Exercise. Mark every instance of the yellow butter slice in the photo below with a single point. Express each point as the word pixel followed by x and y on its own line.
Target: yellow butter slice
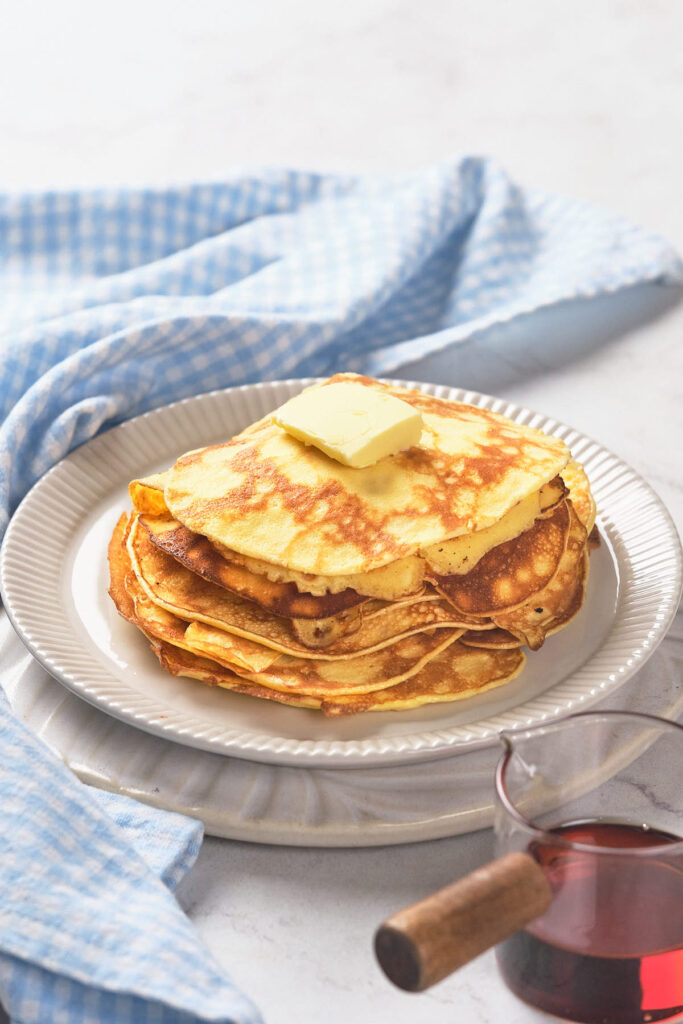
pixel 351 423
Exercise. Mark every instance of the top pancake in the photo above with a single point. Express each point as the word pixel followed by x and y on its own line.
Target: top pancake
pixel 268 496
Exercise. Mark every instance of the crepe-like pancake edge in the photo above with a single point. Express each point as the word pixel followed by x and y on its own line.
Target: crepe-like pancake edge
pixel 580 494
pixel 472 466
pixel 180 662
pixel 354 676
pixel 496 639
pixel 525 565
pixel 207 595
pixel 119 565
pixel 436 684
pixel 198 555
pixel 173 656
pixel 573 566
pixel 208 643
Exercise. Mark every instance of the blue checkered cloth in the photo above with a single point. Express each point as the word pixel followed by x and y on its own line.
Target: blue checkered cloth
pixel 89 928
pixel 114 302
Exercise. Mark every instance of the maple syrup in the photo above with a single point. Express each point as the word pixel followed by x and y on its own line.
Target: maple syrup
pixel 610 949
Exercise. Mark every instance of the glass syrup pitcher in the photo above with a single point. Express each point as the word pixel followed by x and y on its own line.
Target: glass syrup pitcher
pixel 596 800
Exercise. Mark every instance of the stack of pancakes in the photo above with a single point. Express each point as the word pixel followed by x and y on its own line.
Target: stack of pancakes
pixel 263 566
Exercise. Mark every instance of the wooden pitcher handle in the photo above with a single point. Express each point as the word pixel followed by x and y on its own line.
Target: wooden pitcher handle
pixel 424 943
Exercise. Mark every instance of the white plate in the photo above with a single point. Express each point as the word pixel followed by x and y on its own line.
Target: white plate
pixel 264 803
pixel 53 576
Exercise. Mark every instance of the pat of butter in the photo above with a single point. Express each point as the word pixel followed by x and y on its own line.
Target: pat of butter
pixel 354 424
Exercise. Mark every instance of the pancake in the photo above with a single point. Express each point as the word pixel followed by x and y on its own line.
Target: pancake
pixel 454 676
pixel 175 589
pixel 119 567
pixel 197 554
pixel 362 674
pixel 158 623
pixel 147 494
pixel 180 649
pixel 559 601
pixel 317 634
pixel 456 673
pixel 267 496
pixel 401 578
pixel 509 574
pixel 180 663
pixel 494 640
pixel 460 555
pixel 574 476
pixel 264 567
pixel 264 667
pixel 155 622
pixel 384 622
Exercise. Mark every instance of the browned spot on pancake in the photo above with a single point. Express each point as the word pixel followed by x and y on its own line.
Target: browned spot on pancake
pixel 453 674
pixel 351 521
pixel 324 633
pixel 555 492
pixel 492 639
pixel 198 554
pixel 559 601
pixel 465 474
pixel 510 573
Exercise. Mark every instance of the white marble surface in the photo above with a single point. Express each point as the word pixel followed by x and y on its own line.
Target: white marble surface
pixel 583 98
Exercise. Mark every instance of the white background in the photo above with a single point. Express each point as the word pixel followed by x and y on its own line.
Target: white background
pixel 584 98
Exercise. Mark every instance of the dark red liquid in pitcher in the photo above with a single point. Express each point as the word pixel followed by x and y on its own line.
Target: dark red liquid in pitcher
pixel 610 949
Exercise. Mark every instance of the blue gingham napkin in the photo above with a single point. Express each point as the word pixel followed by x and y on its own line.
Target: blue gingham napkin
pixel 114 302
pixel 89 928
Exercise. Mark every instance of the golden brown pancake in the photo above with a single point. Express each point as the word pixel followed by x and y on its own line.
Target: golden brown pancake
pixel 197 554
pixel 317 634
pixel 177 590
pixel 559 601
pixel 119 566
pixel 361 674
pixel 511 572
pixel 266 495
pixel 301 683
pixel 327 633
pixel 147 494
pixel 459 555
pixel 456 673
pixel 162 625
pixel 264 567
pixel 181 663
pixel 167 633
pixel 452 677
pixel 471 676
pixel 574 476
pixel 493 640
pixel 401 578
